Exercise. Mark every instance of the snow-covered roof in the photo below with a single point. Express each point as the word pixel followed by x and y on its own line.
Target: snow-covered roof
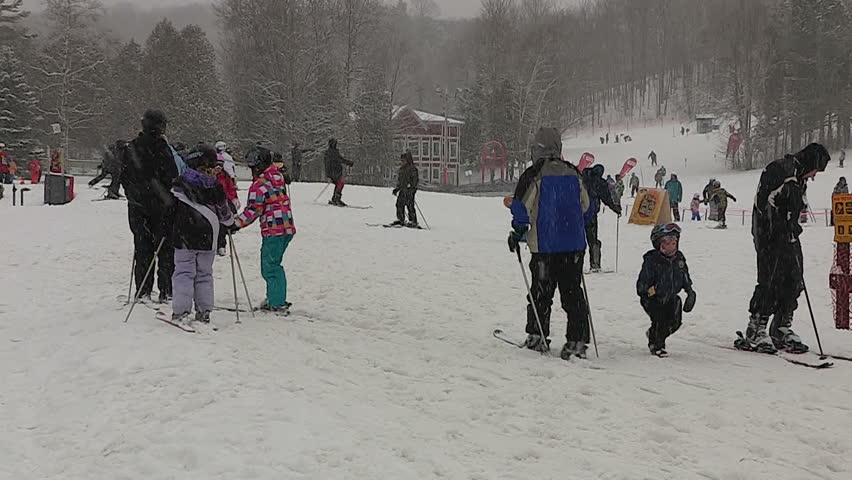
pixel 705 116
pixel 426 116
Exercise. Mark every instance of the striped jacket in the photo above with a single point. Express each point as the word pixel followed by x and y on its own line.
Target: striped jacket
pixel 268 200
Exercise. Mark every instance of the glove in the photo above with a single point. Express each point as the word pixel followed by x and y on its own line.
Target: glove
pixel 651 292
pixel 395 191
pixel 618 211
pixel 689 303
pixel 232 228
pixel 516 236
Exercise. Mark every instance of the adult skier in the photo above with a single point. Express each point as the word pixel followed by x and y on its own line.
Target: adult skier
pixel 659 176
pixel 406 188
pixel 111 165
pixel 598 191
pixel 775 229
pixel 548 209
pixel 334 162
pixel 675 189
pixel 149 170
pixel 653 157
pixel 634 184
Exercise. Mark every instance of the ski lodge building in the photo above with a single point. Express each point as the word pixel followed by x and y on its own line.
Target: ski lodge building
pixel 433 141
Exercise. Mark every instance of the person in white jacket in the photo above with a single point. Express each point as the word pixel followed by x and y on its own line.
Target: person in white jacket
pixel 230 166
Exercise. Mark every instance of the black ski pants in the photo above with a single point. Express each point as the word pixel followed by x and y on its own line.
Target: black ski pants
pixel 148 229
pixel 405 201
pixel 666 318
pixel 594 243
pixel 549 272
pixel 779 279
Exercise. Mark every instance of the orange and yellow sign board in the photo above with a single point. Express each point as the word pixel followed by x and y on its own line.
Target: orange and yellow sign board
pixel 841 205
pixel 652 207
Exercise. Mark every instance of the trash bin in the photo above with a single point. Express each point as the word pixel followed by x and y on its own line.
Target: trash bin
pixel 58 189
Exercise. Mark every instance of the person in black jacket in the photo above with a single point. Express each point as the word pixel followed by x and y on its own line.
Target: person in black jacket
pixel 296 160
pixel 111 165
pixel 775 229
pixel 664 274
pixel 334 162
pixel 598 192
pixel 406 188
pixel 148 171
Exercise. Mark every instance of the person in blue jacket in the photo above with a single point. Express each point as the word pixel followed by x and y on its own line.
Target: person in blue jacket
pixel 675 190
pixel 549 211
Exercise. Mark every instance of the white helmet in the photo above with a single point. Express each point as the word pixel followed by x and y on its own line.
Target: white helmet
pixel 221 146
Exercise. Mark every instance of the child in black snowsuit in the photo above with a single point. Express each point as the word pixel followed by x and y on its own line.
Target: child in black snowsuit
pixel 664 274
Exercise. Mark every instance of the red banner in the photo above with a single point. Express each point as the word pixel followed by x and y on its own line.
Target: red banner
pixel 628 165
pixel 734 142
pixel 585 161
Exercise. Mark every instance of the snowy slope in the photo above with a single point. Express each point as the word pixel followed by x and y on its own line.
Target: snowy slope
pixel 387 368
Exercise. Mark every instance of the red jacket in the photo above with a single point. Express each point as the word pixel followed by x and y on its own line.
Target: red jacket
pixel 228 185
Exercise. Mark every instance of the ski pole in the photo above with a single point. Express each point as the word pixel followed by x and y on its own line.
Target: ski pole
pixel 589 310
pixel 234 280
pixel 422 216
pixel 144 280
pixel 130 286
pixel 532 301
pixel 242 277
pixel 616 242
pixel 323 191
pixel 810 309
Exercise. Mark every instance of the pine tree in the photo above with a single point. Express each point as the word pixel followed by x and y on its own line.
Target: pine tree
pixel 18 103
pixel 160 72
pixel 200 89
pixel 126 98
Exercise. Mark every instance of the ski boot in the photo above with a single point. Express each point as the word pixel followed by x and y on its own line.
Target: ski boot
pixel 573 349
pixel 412 225
pixel 203 317
pixel 783 337
pixel 397 223
pixel 110 195
pixel 165 298
pixel 221 252
pixel 756 339
pixel 535 342
pixel 184 319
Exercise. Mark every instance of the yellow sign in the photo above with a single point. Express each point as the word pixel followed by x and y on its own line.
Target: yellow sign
pixel 841 207
pixel 652 207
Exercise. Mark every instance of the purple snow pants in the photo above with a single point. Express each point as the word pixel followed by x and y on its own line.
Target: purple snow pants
pixel 193 279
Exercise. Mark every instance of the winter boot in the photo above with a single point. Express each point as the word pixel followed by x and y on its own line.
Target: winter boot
pixel 783 336
pixel 221 252
pixel 658 350
pixel 573 349
pixel 756 338
pixel 535 342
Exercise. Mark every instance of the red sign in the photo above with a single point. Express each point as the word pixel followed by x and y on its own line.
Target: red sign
pixel 628 165
pixel 585 161
pixel 734 142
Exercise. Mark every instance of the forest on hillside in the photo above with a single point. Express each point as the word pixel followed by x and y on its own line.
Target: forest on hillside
pixel 278 71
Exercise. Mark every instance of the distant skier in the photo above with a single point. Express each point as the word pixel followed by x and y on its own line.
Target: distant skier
pixel 664 274
pixel 268 201
pixel 296 160
pixel 653 157
pixel 201 211
pixel 840 188
pixel 598 191
pixel 406 189
pixel 720 197
pixel 695 207
pixel 5 159
pixel 147 176
pixel 659 177
pixel 228 163
pixel 707 190
pixel 35 167
pixel 619 188
pixel 607 137
pixel 334 162
pixel 675 189
pixel 547 211
pixel 779 252
pixel 111 165
pixel 842 158
pixel 634 184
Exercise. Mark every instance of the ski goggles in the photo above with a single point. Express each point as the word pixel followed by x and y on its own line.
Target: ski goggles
pixel 668 229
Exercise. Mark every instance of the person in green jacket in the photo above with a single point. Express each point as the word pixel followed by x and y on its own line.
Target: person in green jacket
pixel 675 190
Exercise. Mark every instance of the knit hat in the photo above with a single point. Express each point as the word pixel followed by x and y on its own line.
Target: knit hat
pixel 202 155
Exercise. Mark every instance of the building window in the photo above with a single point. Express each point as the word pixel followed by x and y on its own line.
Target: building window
pixel 414 146
pixel 436 148
pixel 436 174
pixel 454 150
pixel 424 174
pixel 424 145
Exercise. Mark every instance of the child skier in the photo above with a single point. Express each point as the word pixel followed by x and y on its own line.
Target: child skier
pixel 229 186
pixel 720 196
pixel 268 200
pixel 664 274
pixel 695 206
pixel 200 209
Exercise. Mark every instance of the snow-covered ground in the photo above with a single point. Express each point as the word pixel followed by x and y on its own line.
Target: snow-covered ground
pixel 387 368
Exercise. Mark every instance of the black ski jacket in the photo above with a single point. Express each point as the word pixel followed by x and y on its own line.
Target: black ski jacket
pixel 199 210
pixel 334 163
pixel 149 170
pixel 668 276
pixel 408 179
pixel 598 190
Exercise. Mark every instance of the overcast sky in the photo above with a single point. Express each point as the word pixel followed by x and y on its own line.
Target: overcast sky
pixel 449 8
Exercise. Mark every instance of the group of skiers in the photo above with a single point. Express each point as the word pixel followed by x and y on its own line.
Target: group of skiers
pixel 9 168
pixel 554 211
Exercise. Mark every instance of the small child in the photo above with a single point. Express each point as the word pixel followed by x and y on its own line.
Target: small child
pixel 200 209
pixel 664 274
pixel 229 185
pixel 695 206
pixel 720 196
pixel 268 200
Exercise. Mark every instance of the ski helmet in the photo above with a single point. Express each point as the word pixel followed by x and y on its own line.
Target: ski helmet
pixel 259 159
pixel 154 122
pixel 202 155
pixel 717 184
pixel 221 146
pixel 660 231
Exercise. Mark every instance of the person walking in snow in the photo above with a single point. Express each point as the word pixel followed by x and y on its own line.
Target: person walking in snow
pixel 839 188
pixel 675 189
pixel 659 176
pixel 776 232
pixel 35 166
pixel 619 188
pixel 334 162
pixel 148 172
pixel 695 207
pixel 406 189
pixel 663 276
pixel 842 158
pixel 268 201
pixel 201 211
pixel 719 196
pixel 296 160
pixel 111 165
pixel 653 157
pixel 634 184
pixel 548 209
pixel 598 192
